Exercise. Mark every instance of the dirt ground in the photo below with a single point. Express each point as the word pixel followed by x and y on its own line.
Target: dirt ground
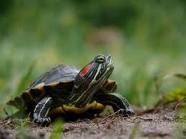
pixel 156 124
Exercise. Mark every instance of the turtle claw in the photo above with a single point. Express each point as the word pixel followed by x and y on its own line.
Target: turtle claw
pixel 130 111
pixel 126 112
pixel 43 121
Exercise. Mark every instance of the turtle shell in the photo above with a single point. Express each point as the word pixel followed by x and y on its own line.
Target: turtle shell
pixel 59 74
pixel 57 82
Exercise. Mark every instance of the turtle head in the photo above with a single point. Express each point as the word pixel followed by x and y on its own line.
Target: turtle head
pixel 90 79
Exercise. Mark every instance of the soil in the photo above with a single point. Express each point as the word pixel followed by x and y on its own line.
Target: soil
pixel 159 123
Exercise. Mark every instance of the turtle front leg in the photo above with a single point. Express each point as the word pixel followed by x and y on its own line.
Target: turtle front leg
pixel 117 102
pixel 41 111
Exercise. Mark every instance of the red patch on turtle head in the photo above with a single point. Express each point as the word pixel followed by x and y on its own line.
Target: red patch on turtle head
pixel 85 70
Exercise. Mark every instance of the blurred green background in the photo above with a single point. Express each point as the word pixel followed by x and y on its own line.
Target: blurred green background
pixel 145 38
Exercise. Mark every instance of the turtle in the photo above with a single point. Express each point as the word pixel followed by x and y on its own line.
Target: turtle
pixel 65 90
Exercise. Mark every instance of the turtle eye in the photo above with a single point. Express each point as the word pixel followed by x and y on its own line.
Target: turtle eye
pixel 100 59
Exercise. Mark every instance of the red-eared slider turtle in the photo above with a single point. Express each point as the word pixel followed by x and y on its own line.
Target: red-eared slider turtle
pixel 68 91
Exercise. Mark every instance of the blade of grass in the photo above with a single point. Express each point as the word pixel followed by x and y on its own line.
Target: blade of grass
pixel 180 76
pixel 25 79
pixel 57 129
pixel 177 94
pixel 135 131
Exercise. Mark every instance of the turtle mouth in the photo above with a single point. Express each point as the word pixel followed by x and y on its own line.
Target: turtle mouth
pixel 94 80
